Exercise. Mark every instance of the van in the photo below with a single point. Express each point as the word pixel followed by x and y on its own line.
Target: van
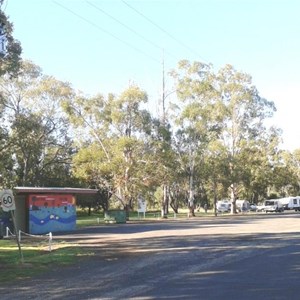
pixel 273 205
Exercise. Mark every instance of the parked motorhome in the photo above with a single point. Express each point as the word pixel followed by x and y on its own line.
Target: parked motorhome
pixel 273 205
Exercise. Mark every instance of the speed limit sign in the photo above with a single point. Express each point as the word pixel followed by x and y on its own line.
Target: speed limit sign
pixel 7 200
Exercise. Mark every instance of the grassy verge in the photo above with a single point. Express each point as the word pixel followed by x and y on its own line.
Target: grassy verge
pixel 36 258
pixel 83 219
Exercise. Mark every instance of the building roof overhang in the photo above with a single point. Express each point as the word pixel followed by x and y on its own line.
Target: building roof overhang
pixel 54 190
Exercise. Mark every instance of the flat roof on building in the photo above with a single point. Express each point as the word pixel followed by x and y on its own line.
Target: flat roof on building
pixel 55 190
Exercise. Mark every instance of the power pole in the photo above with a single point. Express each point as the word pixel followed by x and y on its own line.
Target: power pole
pixel 163 93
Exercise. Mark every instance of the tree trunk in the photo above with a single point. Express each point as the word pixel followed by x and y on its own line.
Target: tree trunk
pixel 191 204
pixel 174 201
pixel 127 210
pixel 233 198
pixel 215 198
pixel 165 204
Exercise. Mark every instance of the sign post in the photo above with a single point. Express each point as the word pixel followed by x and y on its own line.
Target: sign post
pixel 142 205
pixel 7 201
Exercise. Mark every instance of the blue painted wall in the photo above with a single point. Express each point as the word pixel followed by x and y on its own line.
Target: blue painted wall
pixel 51 213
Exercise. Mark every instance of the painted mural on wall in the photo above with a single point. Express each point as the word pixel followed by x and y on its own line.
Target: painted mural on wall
pixel 51 213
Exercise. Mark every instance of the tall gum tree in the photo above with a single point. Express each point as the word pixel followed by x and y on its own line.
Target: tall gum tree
pixel 10 59
pixel 112 146
pixel 198 120
pixel 131 123
pixel 260 160
pixel 9 65
pixel 37 126
pixel 243 123
pixel 162 164
pixel 215 172
pixel 292 163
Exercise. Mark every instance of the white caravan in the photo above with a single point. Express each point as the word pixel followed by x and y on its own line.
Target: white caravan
pixel 293 203
pixel 285 202
pixel 242 205
pixel 223 206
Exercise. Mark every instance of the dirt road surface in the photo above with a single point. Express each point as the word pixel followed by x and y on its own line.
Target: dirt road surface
pixel 176 259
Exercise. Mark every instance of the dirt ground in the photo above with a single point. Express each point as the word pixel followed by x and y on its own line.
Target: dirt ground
pixel 123 254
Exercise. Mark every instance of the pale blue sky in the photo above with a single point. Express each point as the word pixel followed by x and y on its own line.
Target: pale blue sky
pixel 102 46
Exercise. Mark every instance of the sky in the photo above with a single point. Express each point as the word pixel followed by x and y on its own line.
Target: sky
pixel 104 46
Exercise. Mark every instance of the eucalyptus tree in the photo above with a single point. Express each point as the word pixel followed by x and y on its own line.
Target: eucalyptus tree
pixel 243 122
pixel 198 120
pixel 286 174
pixel 130 126
pixel 38 130
pixel 161 158
pixel 10 51
pixel 10 48
pixel 293 161
pixel 215 171
pixel 112 144
pixel 260 159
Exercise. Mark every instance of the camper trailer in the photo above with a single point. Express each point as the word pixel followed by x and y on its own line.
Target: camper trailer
pixel 242 205
pixel 293 203
pixel 223 206
pixel 285 202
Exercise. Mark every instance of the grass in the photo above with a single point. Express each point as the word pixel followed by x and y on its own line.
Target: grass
pixel 37 258
pixel 83 219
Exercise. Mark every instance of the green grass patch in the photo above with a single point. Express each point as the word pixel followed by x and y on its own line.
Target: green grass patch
pixel 37 258
pixel 84 220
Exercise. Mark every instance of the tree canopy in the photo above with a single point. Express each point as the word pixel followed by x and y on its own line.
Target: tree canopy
pixel 214 145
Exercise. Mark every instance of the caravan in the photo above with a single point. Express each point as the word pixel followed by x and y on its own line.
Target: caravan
pixel 290 203
pixel 223 206
pixel 242 205
pixel 294 203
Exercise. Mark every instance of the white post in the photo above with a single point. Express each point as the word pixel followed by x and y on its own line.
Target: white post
pixel 7 231
pixel 50 241
pixel 19 236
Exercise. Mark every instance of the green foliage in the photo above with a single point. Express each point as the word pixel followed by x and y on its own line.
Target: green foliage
pixel 38 141
pixel 10 62
pixel 215 143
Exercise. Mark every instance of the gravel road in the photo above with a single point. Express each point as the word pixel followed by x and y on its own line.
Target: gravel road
pixel 168 259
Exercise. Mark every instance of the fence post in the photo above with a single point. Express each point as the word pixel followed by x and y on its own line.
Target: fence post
pixel 50 241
